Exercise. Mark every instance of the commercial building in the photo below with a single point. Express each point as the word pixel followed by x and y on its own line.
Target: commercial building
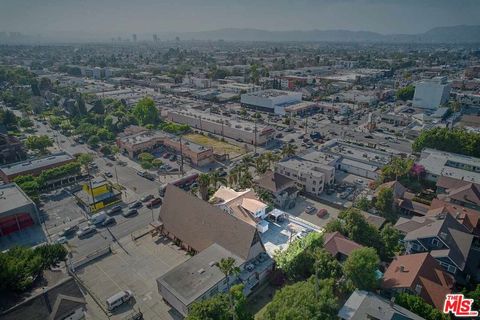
pixel 312 171
pixel 210 233
pixel 273 101
pixel 17 210
pixel 440 163
pixel 239 88
pixel 98 194
pixel 302 108
pixel 11 149
pixel 239 130
pixel 361 161
pixel 34 167
pixel 431 93
pixel 147 141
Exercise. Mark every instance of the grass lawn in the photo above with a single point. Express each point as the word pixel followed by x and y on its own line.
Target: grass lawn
pixel 218 146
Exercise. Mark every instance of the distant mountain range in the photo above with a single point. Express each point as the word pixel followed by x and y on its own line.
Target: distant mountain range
pixel 454 34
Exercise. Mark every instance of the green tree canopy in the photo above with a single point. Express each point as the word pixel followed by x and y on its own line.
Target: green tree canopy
pixel 360 268
pixel 405 93
pixel 384 204
pixel 39 143
pixel 145 112
pixel 451 140
pixel 418 306
pixel 302 300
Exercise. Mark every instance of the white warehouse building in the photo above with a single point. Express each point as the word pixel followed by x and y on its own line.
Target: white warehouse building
pixel 431 93
pixel 272 100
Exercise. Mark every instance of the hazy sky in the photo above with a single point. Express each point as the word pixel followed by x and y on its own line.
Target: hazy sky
pixel 149 16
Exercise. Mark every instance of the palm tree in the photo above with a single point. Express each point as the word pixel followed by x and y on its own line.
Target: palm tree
pixel 288 150
pixel 216 178
pixel 228 268
pixel 234 176
pixel 203 184
pixel 261 165
pixel 247 161
pixel 246 180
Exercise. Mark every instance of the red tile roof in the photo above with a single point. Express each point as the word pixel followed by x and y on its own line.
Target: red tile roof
pixel 336 243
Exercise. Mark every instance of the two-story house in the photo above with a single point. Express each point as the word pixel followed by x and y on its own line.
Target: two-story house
pixel 282 189
pixel 446 239
pixel 418 274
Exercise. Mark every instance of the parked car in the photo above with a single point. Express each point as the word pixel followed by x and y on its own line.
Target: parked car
pixel 130 213
pixel 68 231
pixel 173 157
pixel 61 240
pixel 114 209
pixel 135 205
pixel 118 299
pixel 109 221
pixel 154 203
pixel 166 155
pixel 108 174
pixel 110 157
pixel 310 210
pixel 146 198
pixel 322 213
pixel 85 231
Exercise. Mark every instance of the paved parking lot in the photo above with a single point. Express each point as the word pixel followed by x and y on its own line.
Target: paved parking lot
pixel 302 203
pixel 134 266
pixel 59 208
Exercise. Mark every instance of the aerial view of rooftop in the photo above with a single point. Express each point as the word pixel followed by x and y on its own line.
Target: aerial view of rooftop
pixel 239 160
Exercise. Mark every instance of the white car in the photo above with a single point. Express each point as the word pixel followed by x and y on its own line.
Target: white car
pixel 61 240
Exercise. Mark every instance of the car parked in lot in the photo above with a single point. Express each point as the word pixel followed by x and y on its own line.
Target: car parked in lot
pixel 154 202
pixel 310 210
pixel 85 231
pixel 129 213
pixel 146 198
pixel 166 155
pixel 322 213
pixel 108 174
pixel 109 221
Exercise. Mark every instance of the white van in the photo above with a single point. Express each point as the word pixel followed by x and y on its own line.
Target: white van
pixel 118 299
pixel 98 218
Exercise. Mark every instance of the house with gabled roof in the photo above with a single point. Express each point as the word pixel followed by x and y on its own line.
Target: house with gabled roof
pixel 338 245
pixel 419 274
pixel 446 239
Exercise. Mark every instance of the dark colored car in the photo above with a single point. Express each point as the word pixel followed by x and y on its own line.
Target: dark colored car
pixel 154 203
pixel 136 204
pixel 114 209
pixel 109 221
pixel 68 231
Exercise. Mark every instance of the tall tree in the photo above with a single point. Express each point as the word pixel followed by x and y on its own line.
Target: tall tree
pixel 145 112
pixel 229 269
pixel 203 185
pixel 360 268
pixel 384 204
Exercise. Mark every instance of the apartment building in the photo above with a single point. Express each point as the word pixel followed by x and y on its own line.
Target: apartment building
pixel 431 93
pixel 312 172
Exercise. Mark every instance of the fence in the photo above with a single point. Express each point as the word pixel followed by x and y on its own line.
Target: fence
pixel 74 265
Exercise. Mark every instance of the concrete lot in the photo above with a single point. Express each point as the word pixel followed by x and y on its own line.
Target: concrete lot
pixel 302 203
pixel 59 208
pixel 135 267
